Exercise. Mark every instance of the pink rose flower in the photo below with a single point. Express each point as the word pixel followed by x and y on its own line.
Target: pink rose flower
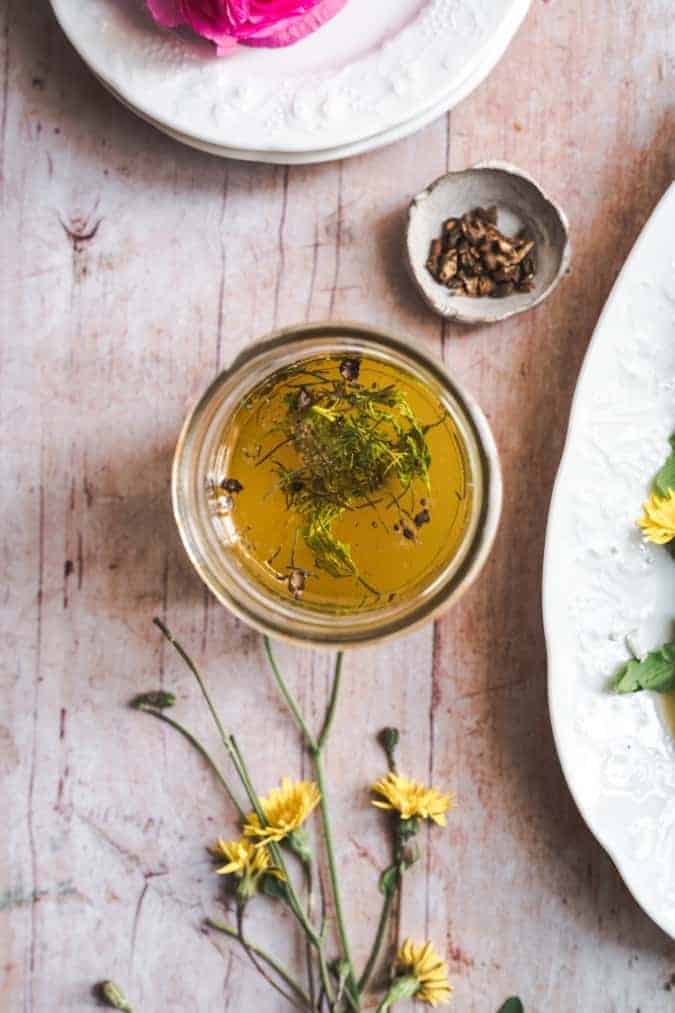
pixel 246 22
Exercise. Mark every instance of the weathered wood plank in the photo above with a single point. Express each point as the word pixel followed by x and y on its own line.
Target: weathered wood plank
pixel 107 341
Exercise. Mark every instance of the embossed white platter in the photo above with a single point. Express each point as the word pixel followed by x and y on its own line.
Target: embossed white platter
pixel 602 582
pixel 377 65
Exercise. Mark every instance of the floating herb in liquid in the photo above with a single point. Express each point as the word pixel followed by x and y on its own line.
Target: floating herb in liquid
pixel 342 484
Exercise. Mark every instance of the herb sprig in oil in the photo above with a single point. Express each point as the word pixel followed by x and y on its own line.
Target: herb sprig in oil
pixel 356 447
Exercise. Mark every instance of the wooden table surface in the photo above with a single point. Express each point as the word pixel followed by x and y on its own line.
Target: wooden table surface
pixel 131 270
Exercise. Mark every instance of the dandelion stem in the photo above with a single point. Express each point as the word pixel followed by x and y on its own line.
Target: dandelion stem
pixel 195 671
pixel 285 976
pixel 316 749
pixel 200 749
pixel 332 703
pixel 253 958
pixel 309 883
pixel 289 699
pixel 389 898
pixel 227 740
pixel 332 871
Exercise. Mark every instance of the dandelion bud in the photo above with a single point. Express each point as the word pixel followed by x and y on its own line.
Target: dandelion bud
pixel 111 995
pixel 159 699
pixel 404 987
pixel 408 828
pixel 389 739
pixel 298 842
pixel 247 888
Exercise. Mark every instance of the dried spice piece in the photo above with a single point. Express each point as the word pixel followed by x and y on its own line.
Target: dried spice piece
pixel 472 257
pixel 232 485
pixel 423 517
pixel 296 583
pixel 350 369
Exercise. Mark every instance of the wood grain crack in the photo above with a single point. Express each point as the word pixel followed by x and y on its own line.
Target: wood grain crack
pixel 223 269
pixel 312 276
pixel 338 241
pixel 5 95
pixel 280 245
pixel 32 847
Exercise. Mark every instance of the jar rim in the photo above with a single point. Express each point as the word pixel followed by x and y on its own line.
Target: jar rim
pixel 288 621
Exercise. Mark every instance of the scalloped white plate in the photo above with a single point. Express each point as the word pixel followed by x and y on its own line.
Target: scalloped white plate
pixel 385 137
pixel 375 66
pixel 602 582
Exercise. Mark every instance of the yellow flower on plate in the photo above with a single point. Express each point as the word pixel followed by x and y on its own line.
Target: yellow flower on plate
pixel 423 963
pixel 285 810
pixel 242 858
pixel 412 799
pixel 658 518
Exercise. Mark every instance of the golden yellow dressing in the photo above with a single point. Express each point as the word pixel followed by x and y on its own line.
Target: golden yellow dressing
pixel 398 538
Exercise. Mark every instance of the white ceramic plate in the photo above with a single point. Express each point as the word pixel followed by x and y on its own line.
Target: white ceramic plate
pixel 375 66
pixel 602 582
pixel 463 89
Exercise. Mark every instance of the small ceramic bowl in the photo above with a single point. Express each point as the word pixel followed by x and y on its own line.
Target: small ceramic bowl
pixel 520 204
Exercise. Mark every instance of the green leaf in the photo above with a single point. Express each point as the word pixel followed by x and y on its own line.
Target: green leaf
pixel 274 887
pixel 389 880
pixel 512 1005
pixel 665 478
pixel 656 672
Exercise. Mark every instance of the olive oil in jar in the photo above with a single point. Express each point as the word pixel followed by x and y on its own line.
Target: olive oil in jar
pixel 342 485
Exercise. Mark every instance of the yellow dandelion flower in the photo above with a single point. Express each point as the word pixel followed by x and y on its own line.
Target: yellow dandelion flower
pixel 412 799
pixel 285 809
pixel 425 965
pixel 658 518
pixel 243 858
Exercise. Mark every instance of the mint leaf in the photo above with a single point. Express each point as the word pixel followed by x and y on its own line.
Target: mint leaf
pixel 512 1005
pixel 656 672
pixel 665 478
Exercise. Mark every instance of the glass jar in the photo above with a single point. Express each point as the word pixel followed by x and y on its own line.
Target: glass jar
pixel 200 445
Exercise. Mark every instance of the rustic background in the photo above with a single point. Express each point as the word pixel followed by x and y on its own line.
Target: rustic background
pixel 132 269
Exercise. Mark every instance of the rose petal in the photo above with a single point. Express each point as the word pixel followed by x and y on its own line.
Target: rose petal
pixel 291 30
pixel 168 13
pixel 267 23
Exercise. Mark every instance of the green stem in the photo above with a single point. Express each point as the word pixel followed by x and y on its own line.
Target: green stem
pixel 237 758
pixel 285 976
pixel 195 671
pixel 277 855
pixel 379 939
pixel 227 740
pixel 242 770
pixel 290 700
pixel 200 749
pixel 307 866
pixel 332 872
pixel 254 960
pixel 332 703
pixel 316 748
